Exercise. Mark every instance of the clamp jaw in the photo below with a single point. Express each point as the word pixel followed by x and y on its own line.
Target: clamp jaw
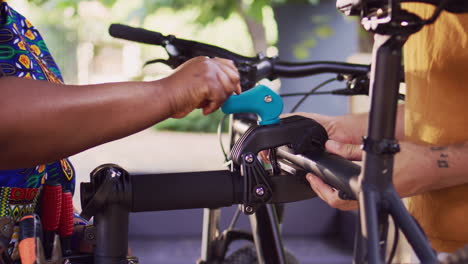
pixel 302 135
pixel 260 100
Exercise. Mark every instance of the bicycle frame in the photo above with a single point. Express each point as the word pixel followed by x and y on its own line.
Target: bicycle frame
pixel 378 198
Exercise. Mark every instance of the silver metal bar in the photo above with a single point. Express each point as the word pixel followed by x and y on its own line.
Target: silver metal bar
pixel 210 231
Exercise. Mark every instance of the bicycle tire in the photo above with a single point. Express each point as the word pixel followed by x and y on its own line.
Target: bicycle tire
pixel 248 255
pixel 458 257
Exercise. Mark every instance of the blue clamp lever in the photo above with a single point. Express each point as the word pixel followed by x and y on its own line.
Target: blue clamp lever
pixel 260 100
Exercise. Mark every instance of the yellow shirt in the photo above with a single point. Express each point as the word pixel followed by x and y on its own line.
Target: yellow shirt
pixel 436 65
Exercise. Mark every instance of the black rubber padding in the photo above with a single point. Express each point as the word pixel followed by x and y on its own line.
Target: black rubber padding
pixel 170 191
pixel 136 34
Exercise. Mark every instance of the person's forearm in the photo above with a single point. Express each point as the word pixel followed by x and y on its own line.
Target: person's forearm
pixel 357 124
pixel 424 168
pixel 400 122
pixel 42 122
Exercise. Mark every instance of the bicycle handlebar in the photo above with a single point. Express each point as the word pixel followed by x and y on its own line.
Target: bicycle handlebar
pixel 251 69
pixel 302 69
pixel 189 47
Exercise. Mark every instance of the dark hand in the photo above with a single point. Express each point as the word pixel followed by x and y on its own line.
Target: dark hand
pixel 202 83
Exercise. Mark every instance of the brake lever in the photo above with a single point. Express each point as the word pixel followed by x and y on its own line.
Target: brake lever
pixel 173 61
pixel 163 61
pixel 247 75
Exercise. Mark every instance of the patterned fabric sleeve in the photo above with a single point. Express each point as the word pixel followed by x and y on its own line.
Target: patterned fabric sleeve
pixel 24 54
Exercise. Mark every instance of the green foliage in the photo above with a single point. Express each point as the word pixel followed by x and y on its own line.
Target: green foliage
pixel 321 30
pixel 194 122
pixel 209 10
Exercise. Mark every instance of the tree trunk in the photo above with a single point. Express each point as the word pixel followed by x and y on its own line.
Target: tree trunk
pixel 256 30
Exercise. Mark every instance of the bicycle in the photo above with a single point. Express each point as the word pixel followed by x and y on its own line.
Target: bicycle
pixel 247 183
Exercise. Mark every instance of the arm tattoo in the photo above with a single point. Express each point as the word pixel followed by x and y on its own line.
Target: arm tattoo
pixel 438 148
pixel 442 161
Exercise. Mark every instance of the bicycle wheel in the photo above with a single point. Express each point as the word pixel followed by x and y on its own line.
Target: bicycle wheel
pixel 248 255
pixel 458 257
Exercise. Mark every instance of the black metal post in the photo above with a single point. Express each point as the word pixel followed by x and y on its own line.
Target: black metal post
pixel 267 237
pixel 108 198
pixel 359 250
pixel 380 144
pixel 412 231
pixel 111 225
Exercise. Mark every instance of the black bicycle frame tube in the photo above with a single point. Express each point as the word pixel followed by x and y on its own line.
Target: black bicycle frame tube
pixel 412 231
pixel 359 249
pixel 377 194
pixel 267 237
pixel 378 168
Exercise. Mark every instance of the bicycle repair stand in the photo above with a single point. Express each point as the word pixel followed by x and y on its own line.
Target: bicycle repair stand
pixel 112 193
pixel 378 199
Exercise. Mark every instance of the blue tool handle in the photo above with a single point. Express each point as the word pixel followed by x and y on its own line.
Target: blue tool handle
pixel 260 100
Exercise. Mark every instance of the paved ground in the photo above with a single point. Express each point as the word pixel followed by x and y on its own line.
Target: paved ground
pixel 187 250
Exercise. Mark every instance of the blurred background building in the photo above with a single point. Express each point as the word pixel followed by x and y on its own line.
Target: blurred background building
pixel 295 30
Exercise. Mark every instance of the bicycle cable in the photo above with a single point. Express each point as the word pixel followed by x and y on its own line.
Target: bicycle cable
pixel 396 237
pixel 301 94
pixel 312 91
pixel 234 219
pixel 436 13
pixel 220 138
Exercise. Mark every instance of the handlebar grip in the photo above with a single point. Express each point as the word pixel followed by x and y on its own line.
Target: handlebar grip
pixel 185 190
pixel 136 34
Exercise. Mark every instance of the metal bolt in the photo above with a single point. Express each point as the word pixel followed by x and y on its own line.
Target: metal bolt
pixel 249 209
pixel 115 173
pixel 268 99
pixel 260 191
pixel 249 158
pixel 90 236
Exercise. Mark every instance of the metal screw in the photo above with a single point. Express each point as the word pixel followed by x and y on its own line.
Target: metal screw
pixel 115 173
pixel 90 236
pixel 268 99
pixel 260 191
pixel 249 158
pixel 249 209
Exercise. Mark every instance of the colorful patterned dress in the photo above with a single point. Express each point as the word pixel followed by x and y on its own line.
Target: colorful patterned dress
pixel 24 54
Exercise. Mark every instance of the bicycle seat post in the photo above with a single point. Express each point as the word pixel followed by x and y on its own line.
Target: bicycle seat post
pixel 378 199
